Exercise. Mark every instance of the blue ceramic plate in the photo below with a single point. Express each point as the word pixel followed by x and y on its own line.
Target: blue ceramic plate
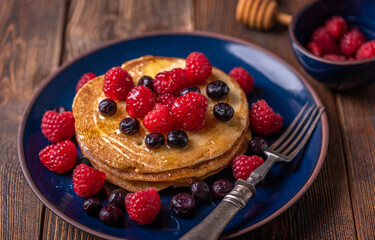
pixel 284 89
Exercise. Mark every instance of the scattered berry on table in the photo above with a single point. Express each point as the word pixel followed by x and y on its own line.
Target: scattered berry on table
pixel 59 157
pixel 167 99
pixel 243 78
pixel 263 120
pixel 325 41
pixel 336 26
pixel 154 140
pixel 217 90
pixel 117 197
pixel 171 81
pixel 315 49
pixel 183 204
pixel 189 89
pixel 257 145
pixel 111 215
pixel 177 139
pixel 200 190
pixel 189 111
pixel 117 83
pixel 146 81
pixel 367 50
pixel 57 127
pixel 143 206
pixel 159 120
pixel 87 181
pixel 107 107
pixel 92 206
pixel 221 187
pixel 243 165
pixel 223 112
pixel 198 68
pixel 140 101
pixel 60 109
pixel 129 126
pixel 351 41
pixel 335 57
pixel 84 79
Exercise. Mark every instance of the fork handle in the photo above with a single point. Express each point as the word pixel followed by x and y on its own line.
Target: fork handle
pixel 213 225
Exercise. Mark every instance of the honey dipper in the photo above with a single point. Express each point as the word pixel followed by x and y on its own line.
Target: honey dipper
pixel 260 14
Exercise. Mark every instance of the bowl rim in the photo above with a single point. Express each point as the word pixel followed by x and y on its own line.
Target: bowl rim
pixel 306 52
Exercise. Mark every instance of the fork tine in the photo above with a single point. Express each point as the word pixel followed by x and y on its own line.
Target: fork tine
pixel 300 134
pixel 295 130
pixel 307 135
pixel 289 129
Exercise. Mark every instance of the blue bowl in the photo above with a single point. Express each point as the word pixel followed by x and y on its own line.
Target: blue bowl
pixel 335 75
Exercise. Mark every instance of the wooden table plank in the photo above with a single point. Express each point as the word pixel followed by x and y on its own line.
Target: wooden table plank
pixel 93 22
pixel 30 44
pixel 357 118
pixel 314 216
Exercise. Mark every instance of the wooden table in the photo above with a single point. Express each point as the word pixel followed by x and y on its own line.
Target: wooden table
pixel 36 37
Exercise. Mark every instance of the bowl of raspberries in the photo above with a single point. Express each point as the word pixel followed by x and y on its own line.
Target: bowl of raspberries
pixel 334 41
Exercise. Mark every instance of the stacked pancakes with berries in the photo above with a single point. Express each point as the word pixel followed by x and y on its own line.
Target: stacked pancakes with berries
pixel 202 134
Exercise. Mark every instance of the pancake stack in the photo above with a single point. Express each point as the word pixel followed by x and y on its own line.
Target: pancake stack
pixel 126 160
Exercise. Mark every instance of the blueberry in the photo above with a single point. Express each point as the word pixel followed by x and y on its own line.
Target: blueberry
pixel 107 107
pixel 92 206
pixel 221 187
pixel 60 109
pixel 217 90
pixel 117 197
pixel 111 215
pixel 223 112
pixel 177 139
pixel 257 145
pixel 182 204
pixel 146 81
pixel 129 126
pixel 154 140
pixel 200 190
pixel 189 89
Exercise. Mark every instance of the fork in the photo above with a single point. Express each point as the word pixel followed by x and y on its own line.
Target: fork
pixel 284 149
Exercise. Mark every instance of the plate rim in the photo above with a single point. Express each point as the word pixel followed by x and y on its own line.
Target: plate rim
pixel 46 81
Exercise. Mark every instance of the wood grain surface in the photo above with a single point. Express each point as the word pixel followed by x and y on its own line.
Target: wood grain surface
pixel 37 36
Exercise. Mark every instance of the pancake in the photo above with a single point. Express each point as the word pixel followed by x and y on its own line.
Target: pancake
pixel 182 174
pixel 126 160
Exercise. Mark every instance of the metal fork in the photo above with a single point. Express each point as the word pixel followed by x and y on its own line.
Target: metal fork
pixel 284 149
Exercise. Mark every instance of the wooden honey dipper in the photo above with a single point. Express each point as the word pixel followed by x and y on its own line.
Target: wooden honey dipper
pixel 260 14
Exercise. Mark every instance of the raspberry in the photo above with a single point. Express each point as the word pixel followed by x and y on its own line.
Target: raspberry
pixel 117 83
pixel 171 81
pixel 325 41
pixel 58 126
pixel 198 68
pixel 140 101
pixel 243 165
pixel 315 49
pixel 159 120
pixel 263 120
pixel 243 78
pixel 59 157
pixel 367 50
pixel 167 99
pixel 143 206
pixel 189 111
pixel 334 57
pixel 351 41
pixel 84 79
pixel 336 26
pixel 87 181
